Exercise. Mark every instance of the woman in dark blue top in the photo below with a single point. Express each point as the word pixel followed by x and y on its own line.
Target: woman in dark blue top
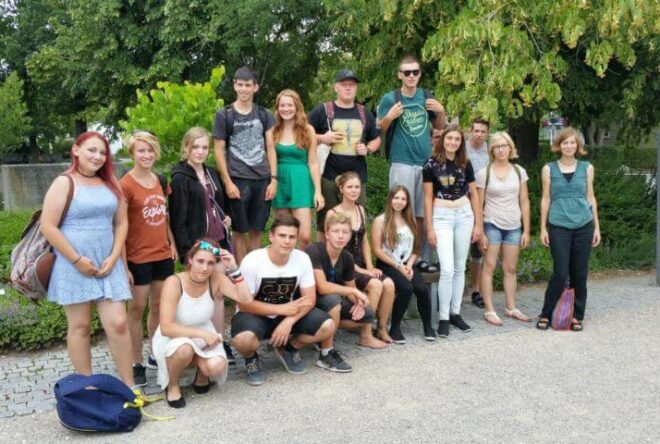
pixel 569 224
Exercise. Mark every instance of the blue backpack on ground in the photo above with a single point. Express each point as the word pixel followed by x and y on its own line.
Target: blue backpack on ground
pixel 111 407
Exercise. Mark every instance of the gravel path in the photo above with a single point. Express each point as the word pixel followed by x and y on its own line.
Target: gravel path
pixel 494 384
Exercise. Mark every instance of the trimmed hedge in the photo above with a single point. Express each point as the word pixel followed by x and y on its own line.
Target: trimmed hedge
pixel 627 208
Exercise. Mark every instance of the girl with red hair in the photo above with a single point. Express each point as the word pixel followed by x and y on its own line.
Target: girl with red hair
pixel 88 247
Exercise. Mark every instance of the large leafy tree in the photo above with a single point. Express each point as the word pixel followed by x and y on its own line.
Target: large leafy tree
pixel 14 122
pixel 103 50
pixel 510 62
pixel 26 25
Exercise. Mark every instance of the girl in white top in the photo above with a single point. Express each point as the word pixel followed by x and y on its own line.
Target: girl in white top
pixel 186 336
pixel 395 240
pixel 503 195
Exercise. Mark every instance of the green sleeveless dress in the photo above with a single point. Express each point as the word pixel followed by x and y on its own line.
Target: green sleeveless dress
pixel 295 188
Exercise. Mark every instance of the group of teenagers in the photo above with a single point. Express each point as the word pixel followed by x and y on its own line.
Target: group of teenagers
pixel 120 239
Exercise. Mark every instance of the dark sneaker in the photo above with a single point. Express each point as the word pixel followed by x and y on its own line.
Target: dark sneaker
pixel 231 359
pixel 478 300
pixel 152 363
pixel 397 336
pixel 443 329
pixel 255 374
pixel 140 375
pixel 458 322
pixel 292 361
pixel 429 334
pixel 333 362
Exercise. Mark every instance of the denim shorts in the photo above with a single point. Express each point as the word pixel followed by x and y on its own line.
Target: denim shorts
pixel 497 235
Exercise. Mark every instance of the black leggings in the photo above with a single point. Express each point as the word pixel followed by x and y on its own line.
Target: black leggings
pixel 404 292
pixel 570 260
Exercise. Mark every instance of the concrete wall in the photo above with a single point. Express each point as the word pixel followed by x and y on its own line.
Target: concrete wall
pixel 24 186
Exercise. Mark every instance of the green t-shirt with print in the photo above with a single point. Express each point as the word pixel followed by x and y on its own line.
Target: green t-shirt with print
pixel 411 141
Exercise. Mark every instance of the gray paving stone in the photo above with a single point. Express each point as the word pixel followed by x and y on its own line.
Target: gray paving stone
pixel 6 413
pixel 26 382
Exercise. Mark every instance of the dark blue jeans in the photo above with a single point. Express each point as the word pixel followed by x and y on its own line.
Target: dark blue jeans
pixel 570 251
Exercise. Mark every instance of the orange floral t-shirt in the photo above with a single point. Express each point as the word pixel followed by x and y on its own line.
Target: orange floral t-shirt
pixel 147 221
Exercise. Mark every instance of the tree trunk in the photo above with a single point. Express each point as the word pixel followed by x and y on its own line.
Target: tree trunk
pixel 525 135
pixel 81 126
pixel 33 148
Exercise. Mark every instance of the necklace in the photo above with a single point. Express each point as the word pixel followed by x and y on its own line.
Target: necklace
pixel 85 175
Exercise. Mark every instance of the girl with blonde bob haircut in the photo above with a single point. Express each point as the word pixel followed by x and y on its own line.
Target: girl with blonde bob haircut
pixel 504 197
pixel 145 137
pixel 299 183
pixel 513 152
pixel 149 251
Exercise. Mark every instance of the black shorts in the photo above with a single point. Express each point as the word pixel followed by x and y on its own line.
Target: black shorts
pixel 263 326
pixel 144 274
pixel 329 301
pixel 250 212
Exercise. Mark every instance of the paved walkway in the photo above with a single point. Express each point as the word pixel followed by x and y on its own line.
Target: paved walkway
pixel 26 380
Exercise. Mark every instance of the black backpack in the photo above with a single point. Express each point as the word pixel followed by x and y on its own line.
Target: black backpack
pixel 229 120
pixel 390 130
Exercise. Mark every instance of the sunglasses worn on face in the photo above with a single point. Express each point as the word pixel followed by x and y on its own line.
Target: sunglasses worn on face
pixel 206 246
pixel 410 72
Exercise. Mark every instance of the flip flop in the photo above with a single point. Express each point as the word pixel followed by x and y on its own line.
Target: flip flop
pixel 516 314
pixel 492 318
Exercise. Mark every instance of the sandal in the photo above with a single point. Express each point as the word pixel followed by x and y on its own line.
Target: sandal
pixel 576 325
pixel 492 318
pixel 543 323
pixel 516 314
pixel 425 267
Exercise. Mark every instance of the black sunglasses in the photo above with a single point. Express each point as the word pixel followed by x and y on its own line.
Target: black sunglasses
pixel 410 72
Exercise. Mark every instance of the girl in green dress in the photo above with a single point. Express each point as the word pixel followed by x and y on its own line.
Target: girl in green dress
pixel 299 184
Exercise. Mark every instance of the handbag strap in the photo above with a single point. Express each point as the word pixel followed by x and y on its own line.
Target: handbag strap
pixel 69 198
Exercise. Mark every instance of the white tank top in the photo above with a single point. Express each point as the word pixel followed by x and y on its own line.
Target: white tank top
pixel 404 246
pixel 192 311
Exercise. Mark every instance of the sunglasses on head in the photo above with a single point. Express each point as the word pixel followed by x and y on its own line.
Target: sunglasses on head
pixel 206 246
pixel 410 72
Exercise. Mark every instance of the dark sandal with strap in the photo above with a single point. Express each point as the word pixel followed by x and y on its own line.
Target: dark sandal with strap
pixel 543 323
pixel 576 325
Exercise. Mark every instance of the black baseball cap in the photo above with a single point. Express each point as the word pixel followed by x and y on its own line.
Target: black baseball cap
pixel 346 74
